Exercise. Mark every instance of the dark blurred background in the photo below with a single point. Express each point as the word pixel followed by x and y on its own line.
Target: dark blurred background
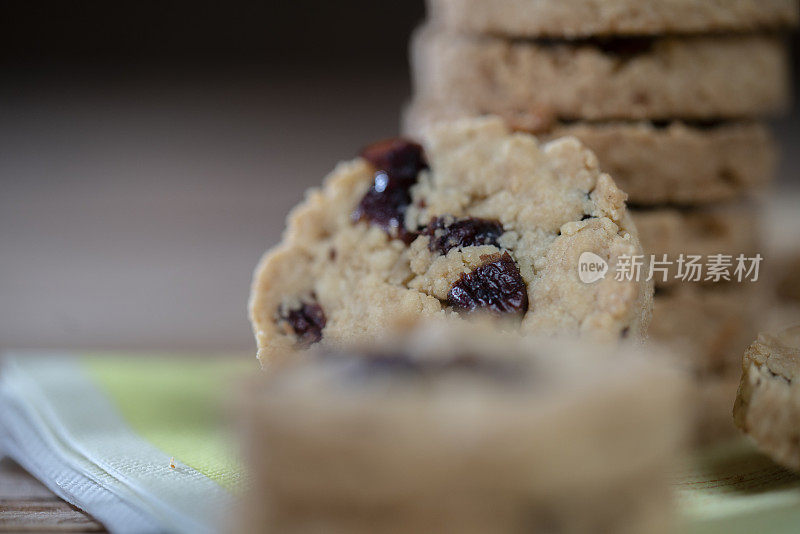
pixel 149 152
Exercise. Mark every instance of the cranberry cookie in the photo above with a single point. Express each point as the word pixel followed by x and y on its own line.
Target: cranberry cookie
pixel 582 18
pixel 476 219
pixel 768 404
pixel 698 77
pixel 669 162
pixel 468 430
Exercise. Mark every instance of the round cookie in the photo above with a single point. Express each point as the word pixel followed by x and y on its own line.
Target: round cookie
pixel 581 18
pixel 479 220
pixel 698 77
pixel 655 163
pixel 460 413
pixel 768 403
pixel 681 163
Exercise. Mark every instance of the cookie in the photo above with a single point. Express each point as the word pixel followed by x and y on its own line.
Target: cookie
pixel 468 430
pixel 682 163
pixel 768 402
pixel 730 230
pixel 583 18
pixel 701 77
pixel 710 327
pixel 477 220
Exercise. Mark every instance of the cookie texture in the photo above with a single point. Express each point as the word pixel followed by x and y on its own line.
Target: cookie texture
pixel 655 163
pixel 727 229
pixel 768 403
pixel 581 18
pixel 699 77
pixel 503 434
pixel 492 222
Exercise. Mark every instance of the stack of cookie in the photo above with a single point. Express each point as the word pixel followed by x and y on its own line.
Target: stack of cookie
pixel 671 96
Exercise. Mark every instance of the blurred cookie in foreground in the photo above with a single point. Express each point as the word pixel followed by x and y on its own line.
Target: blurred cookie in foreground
pixel 465 430
pixel 768 403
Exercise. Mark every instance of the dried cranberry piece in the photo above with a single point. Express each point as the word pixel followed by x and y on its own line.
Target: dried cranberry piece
pixel 462 233
pixel 399 158
pixel 496 286
pixel 398 162
pixel 307 321
pixel 385 205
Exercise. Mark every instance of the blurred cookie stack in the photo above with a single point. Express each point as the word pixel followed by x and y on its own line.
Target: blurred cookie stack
pixel 671 96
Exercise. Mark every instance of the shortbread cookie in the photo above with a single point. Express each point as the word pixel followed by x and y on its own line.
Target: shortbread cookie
pixel 655 163
pixel 704 77
pixel 727 230
pixel 466 431
pixel 709 326
pixel 768 404
pixel 681 163
pixel 581 18
pixel 480 220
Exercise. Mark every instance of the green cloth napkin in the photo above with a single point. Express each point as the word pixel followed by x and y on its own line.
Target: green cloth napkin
pixel 101 431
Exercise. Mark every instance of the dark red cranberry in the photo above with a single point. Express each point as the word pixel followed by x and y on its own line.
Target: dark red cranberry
pixel 307 322
pixel 462 233
pixel 398 162
pixel 399 158
pixel 385 205
pixel 496 286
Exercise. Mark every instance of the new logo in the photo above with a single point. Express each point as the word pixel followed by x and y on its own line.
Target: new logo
pixel 591 268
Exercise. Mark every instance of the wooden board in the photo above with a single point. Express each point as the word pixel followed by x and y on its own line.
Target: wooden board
pixel 27 506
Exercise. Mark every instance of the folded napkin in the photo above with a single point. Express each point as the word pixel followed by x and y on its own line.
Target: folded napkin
pixel 144 444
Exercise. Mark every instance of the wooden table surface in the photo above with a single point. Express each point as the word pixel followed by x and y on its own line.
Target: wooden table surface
pixel 27 506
